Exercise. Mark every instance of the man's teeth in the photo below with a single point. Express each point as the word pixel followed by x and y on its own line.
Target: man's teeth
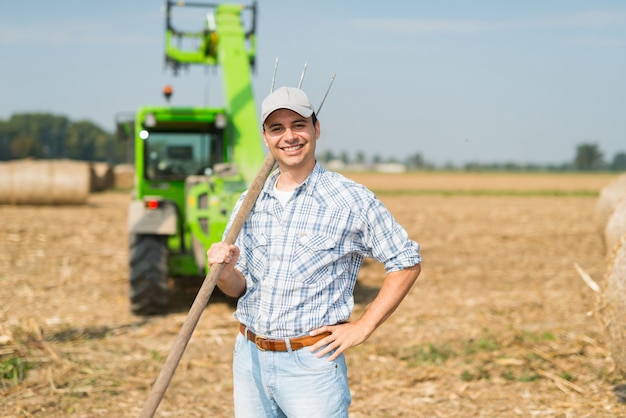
pixel 295 147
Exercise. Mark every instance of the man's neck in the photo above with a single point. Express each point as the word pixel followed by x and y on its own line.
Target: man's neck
pixel 290 178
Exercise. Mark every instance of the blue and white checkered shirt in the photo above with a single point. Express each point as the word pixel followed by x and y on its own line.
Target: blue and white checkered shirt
pixel 301 261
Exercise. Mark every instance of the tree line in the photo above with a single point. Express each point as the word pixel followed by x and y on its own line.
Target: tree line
pixel 589 157
pixel 49 136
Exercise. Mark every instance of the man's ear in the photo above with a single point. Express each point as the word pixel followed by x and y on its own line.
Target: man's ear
pixel 264 140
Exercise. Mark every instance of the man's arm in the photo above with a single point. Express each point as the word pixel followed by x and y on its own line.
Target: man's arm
pixel 395 287
pixel 231 281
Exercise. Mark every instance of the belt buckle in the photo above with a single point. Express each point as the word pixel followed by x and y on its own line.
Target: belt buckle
pixel 257 342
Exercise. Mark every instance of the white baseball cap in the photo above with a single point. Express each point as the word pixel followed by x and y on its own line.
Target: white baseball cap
pixel 286 98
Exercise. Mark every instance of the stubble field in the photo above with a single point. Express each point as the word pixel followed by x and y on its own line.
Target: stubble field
pixel 499 324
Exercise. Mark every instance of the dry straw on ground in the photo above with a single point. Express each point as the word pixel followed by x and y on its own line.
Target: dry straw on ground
pixel 498 325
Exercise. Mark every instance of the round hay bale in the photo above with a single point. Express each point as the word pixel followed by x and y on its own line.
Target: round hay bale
pixel 124 175
pixel 44 182
pixel 6 183
pixel 616 226
pixel 609 196
pixel 614 308
pixel 70 182
pixel 103 178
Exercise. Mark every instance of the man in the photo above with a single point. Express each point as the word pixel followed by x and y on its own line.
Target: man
pixel 294 267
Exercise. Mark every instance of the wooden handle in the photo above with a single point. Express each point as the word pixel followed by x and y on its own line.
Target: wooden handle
pixel 202 298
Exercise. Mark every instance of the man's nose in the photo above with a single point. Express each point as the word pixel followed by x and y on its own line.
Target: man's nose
pixel 289 134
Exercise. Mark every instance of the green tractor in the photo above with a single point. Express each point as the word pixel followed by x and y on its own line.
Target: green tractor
pixel 191 163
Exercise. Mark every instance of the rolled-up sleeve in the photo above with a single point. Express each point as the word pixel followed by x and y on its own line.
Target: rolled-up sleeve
pixel 388 240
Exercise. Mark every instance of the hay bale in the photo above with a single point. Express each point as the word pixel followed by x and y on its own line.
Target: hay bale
pixel 44 182
pixel 124 175
pixel 616 226
pixel 614 308
pixel 102 177
pixel 609 196
pixel 6 183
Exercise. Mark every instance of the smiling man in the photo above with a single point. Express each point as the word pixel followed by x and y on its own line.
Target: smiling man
pixel 293 269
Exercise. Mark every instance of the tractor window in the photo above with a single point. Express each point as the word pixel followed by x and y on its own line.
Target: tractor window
pixel 175 155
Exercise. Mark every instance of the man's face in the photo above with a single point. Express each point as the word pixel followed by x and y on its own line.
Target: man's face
pixel 291 138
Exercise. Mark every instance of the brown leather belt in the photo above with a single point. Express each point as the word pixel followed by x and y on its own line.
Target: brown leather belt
pixel 266 344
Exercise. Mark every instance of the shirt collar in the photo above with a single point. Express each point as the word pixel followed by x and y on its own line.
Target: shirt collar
pixel 308 185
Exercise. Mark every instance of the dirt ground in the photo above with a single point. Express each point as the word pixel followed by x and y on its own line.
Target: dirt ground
pixel 500 323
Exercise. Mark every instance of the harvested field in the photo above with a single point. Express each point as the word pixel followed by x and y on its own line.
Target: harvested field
pixel 500 323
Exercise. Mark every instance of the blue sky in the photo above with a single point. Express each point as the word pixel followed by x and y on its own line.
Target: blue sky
pixel 457 81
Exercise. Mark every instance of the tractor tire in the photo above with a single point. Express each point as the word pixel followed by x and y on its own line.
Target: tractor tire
pixel 148 274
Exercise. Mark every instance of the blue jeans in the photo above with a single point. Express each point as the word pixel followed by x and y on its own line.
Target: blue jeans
pixel 290 384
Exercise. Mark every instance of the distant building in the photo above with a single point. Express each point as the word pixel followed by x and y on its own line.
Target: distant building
pixel 390 168
pixel 339 165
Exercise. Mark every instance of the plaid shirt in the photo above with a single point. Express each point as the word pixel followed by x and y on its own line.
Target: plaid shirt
pixel 301 261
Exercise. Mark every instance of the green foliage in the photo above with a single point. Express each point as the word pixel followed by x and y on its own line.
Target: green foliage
pixel 467 376
pixel 14 369
pixel 47 136
pixel 528 377
pixel 156 356
pixel 527 337
pixel 619 162
pixel 478 374
pixel 428 353
pixel 514 360
pixel 588 158
pixel 508 375
pixel 26 145
pixel 416 162
pixel 486 343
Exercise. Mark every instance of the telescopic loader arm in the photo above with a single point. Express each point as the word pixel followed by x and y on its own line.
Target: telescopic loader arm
pixel 226 43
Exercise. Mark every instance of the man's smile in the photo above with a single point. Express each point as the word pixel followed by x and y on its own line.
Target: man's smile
pixel 292 148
